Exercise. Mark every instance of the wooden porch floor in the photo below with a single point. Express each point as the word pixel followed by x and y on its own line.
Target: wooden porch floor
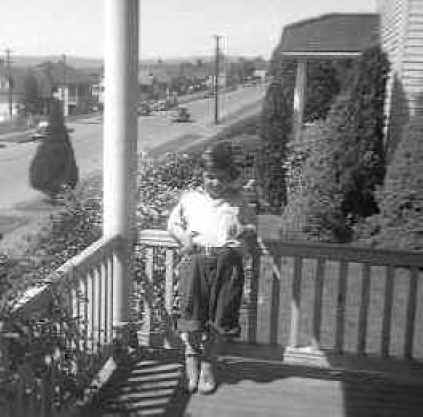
pixel 254 386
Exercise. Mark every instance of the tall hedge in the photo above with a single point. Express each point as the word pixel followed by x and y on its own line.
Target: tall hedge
pixel 400 221
pixel 361 158
pixel 314 203
pixel 324 82
pixel 53 167
pixel 275 132
pixel 346 164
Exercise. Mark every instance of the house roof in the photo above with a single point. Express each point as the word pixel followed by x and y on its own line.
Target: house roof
pixel 56 72
pixel 50 74
pixel 331 34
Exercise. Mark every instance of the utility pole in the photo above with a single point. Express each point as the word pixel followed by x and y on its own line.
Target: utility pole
pixel 216 81
pixel 65 101
pixel 10 82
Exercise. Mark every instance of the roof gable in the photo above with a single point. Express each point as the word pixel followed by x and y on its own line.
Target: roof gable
pixel 332 33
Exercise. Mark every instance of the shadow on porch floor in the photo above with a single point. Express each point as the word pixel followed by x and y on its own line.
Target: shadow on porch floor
pixel 251 386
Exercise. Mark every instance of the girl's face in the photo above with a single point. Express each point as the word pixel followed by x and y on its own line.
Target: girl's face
pixel 216 182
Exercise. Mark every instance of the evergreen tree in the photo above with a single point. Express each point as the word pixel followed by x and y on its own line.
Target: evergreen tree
pixel 360 158
pixel 323 85
pixel 54 168
pixel 314 203
pixel 276 120
pixel 400 221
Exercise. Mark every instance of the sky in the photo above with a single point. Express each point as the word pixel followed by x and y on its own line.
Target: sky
pixel 168 28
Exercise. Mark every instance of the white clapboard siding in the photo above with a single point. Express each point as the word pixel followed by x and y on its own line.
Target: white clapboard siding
pixel 402 40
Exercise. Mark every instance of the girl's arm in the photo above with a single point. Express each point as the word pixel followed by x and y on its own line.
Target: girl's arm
pixel 177 228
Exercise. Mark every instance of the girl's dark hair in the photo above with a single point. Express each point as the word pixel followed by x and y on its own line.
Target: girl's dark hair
pixel 221 156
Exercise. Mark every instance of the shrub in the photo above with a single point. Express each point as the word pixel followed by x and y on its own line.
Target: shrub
pixel 400 221
pixel 53 167
pixel 323 85
pixel 342 155
pixel 314 203
pixel 360 157
pixel 275 132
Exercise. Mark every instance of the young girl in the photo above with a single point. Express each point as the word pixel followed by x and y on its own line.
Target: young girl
pixel 214 226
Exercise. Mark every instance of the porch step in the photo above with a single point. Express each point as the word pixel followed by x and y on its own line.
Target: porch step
pixel 147 389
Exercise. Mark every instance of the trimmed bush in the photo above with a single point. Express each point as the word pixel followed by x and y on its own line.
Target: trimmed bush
pixel 341 160
pixel 315 199
pixel 399 224
pixel 53 168
pixel 276 123
pixel 361 158
pixel 323 85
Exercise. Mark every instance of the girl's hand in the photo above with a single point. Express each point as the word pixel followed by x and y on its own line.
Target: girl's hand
pixel 248 231
pixel 188 244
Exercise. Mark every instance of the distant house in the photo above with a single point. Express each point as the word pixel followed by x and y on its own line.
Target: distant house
pixel 397 27
pixel 97 91
pixel 329 37
pixel 72 86
pixel 260 75
pixel 11 92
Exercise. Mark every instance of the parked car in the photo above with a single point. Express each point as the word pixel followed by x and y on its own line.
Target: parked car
pixel 144 109
pixel 41 130
pixel 182 115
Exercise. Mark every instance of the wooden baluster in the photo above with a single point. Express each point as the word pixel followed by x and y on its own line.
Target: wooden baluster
pixel 88 312
pixel 340 308
pixel 94 307
pixel 105 301
pixel 411 313
pixel 243 314
pixel 115 291
pixel 317 308
pixel 295 303
pixel 148 298
pixel 264 299
pixel 387 311
pixel 110 286
pixel 73 309
pixel 252 305
pixel 98 302
pixel 81 311
pixel 169 294
pixel 364 308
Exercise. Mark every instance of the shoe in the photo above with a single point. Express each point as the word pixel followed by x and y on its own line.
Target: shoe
pixel 207 381
pixel 191 372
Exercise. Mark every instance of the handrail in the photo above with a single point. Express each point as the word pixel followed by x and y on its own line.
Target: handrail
pixel 349 253
pixel 34 297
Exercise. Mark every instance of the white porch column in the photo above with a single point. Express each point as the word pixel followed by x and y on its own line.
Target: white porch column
pixel 299 97
pixel 120 137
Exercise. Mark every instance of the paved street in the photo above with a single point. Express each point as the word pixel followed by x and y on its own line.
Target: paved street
pixel 154 130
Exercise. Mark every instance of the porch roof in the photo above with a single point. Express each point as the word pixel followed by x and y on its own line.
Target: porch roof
pixel 331 35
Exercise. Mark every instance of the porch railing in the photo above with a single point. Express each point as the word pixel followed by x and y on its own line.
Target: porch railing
pixel 82 289
pixel 315 297
pixel 304 297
